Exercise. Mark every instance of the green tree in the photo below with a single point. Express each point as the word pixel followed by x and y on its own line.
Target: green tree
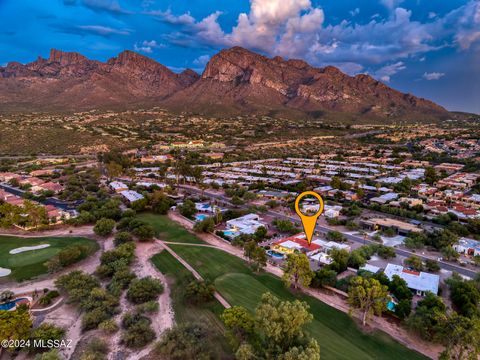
pixel 368 295
pixel 15 325
pixel 160 203
pixel 104 227
pixel 428 316
pixel 143 290
pixel 144 232
pixel 430 175
pixel 187 209
pixel 432 265
pixel 449 253
pixel 414 262
pixel 297 270
pixel 122 237
pixel 461 337
pixel 44 333
pixel 239 322
pixel 324 277
pixel 185 341
pixel 281 324
pixel 399 288
pixel 199 292
pixel 255 254
pixel 336 236
pixel 340 260
pixel 49 355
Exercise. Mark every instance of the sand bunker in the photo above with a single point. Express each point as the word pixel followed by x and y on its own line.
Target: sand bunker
pixel 5 272
pixel 28 248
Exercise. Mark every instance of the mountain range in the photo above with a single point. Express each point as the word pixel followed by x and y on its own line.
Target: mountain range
pixel 235 81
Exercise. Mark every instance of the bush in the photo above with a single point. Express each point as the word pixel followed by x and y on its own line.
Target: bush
pixel 143 290
pixel 108 326
pixel 138 332
pixel 186 341
pixel 148 307
pixel 48 297
pixel 122 238
pixel 199 292
pixel 44 333
pixel 144 232
pixel 104 227
pixel 97 349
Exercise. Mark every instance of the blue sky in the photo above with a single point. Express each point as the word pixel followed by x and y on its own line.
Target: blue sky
pixel 425 47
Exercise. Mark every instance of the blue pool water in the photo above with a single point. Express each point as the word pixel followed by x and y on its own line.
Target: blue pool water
pixel 275 254
pixel 229 232
pixel 10 305
pixel 200 217
pixel 391 306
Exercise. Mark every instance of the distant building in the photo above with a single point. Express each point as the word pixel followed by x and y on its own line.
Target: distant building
pixel 246 224
pixel 418 281
pixel 295 243
pixel 401 227
pixel 118 186
pixel 468 246
pixel 131 196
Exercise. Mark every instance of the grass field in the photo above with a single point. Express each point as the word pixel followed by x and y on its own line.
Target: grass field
pixel 29 264
pixel 205 314
pixel 338 335
pixel 168 230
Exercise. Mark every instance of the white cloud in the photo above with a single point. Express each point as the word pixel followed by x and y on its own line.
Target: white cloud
pixel 354 12
pixel 391 4
pixel 201 60
pixel 103 30
pixel 386 72
pixel 147 46
pixel 297 29
pixel 433 75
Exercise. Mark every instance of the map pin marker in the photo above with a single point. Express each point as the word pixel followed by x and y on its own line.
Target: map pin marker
pixel 309 222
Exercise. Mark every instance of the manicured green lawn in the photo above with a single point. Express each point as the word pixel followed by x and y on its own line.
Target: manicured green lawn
pixel 167 230
pixel 206 314
pixel 29 264
pixel 338 335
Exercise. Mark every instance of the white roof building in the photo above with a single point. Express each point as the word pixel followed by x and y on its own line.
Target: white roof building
pixel 118 186
pixel 131 195
pixel 419 281
pixel 246 224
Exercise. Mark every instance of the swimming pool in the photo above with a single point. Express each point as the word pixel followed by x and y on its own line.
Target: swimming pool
pixel 12 304
pixel 391 306
pixel 200 217
pixel 275 254
pixel 229 233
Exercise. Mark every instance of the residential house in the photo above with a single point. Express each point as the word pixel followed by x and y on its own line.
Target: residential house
pixel 418 281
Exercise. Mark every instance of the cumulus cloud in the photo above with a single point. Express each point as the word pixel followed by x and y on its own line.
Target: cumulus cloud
pixel 386 72
pixel 298 29
pixel 147 46
pixel 433 75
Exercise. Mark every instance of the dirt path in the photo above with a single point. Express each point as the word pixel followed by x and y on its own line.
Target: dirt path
pixel 398 333
pixel 163 319
pixel 62 231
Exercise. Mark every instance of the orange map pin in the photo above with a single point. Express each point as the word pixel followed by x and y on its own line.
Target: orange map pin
pixel 309 222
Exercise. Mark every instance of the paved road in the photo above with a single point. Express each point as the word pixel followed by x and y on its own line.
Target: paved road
pixel 64 205
pixel 359 239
